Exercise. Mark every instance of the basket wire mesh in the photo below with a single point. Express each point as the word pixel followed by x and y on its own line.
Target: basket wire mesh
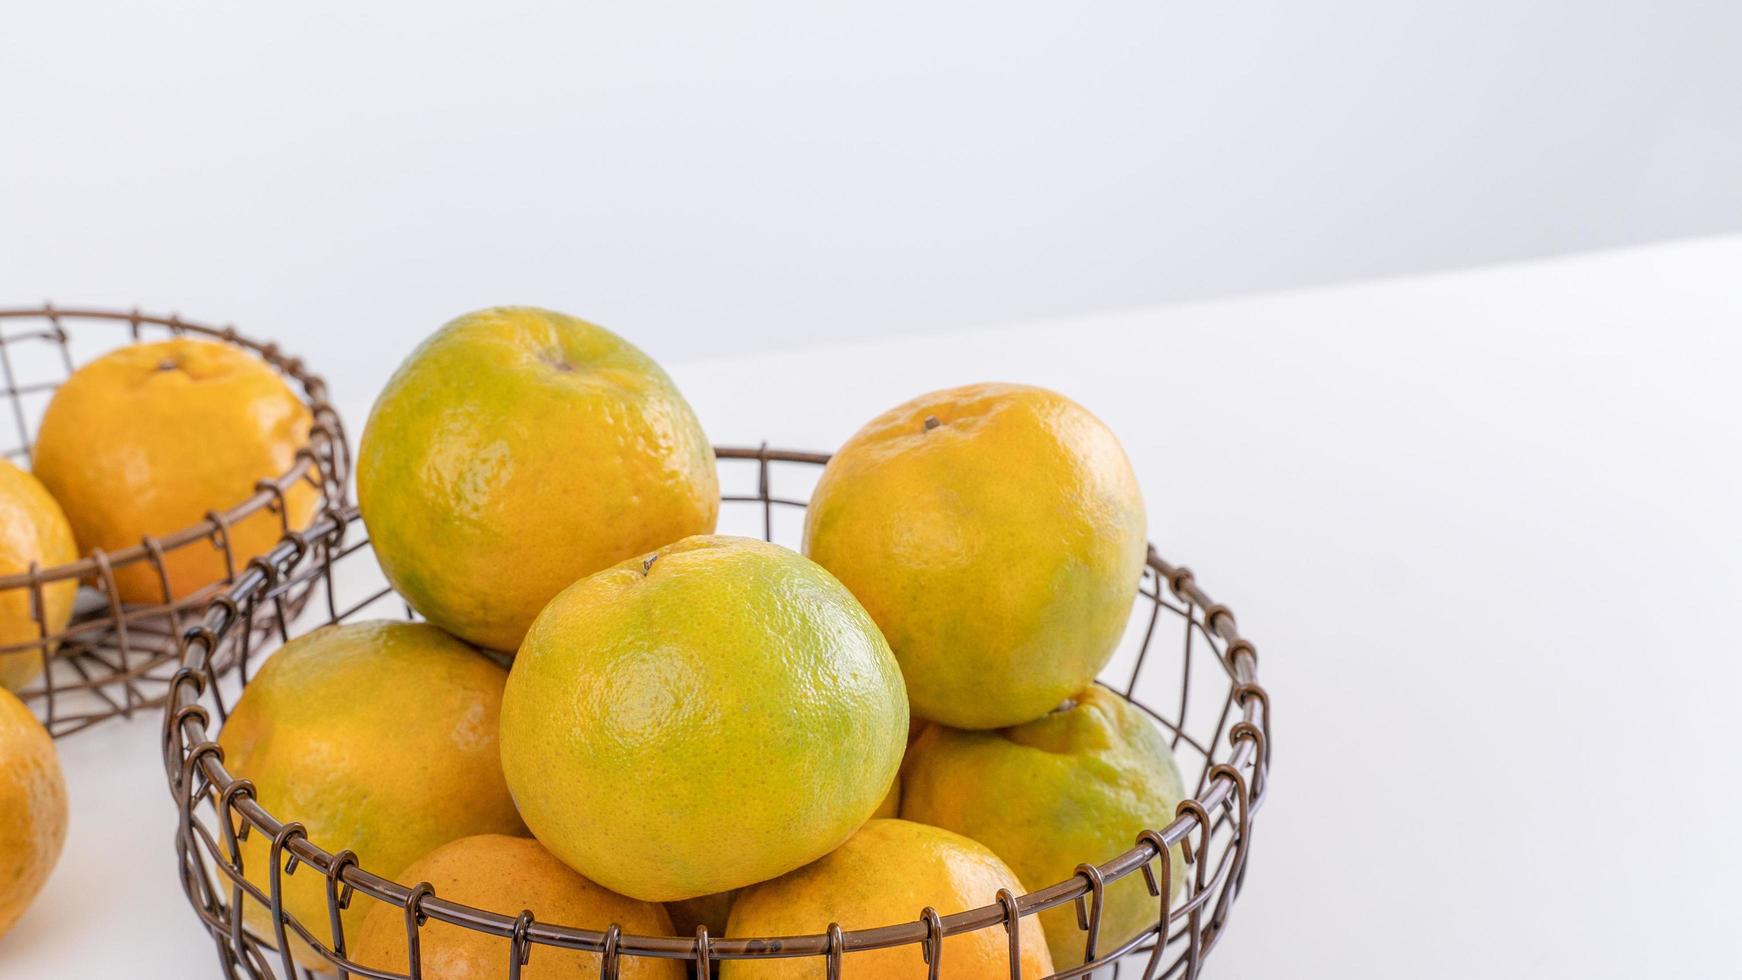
pixel 114 659
pixel 1218 719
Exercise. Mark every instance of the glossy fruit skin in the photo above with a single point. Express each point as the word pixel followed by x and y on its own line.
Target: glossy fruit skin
pixel 32 529
pixel 885 874
pixel 713 714
pixel 377 736
pixel 516 451
pixel 997 535
pixel 33 809
pixel 150 438
pixel 1076 786
pixel 507 874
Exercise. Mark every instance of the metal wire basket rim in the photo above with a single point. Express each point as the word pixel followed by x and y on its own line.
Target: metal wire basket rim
pixel 268 491
pixel 183 712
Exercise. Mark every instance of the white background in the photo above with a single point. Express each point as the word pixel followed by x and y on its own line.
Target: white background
pixel 1483 526
pixel 717 178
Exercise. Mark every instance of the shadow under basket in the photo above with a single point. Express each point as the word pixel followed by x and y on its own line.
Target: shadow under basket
pixel 114 659
pixel 1182 661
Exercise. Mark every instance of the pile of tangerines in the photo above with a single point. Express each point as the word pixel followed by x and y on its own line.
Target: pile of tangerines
pixel 701 730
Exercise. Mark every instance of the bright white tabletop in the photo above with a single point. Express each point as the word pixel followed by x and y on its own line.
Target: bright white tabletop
pixel 1485 529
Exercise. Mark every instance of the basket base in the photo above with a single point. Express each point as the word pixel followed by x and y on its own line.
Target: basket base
pixel 109 668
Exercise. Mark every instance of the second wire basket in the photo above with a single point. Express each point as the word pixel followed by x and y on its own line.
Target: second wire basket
pixel 115 656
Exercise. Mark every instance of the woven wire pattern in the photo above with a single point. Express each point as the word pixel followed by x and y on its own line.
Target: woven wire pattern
pixel 1218 717
pixel 115 658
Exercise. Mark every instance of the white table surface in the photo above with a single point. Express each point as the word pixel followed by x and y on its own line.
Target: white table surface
pixel 1485 529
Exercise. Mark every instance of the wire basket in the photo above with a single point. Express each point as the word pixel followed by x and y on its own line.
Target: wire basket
pixel 115 658
pixel 1218 717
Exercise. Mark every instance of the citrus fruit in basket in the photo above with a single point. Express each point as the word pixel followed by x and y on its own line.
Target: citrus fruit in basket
pixel 1076 786
pixel 516 451
pixel 996 534
pixel 712 714
pixel 884 874
pixel 32 530
pixel 376 736
pixel 496 872
pixel 150 438
pixel 33 809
